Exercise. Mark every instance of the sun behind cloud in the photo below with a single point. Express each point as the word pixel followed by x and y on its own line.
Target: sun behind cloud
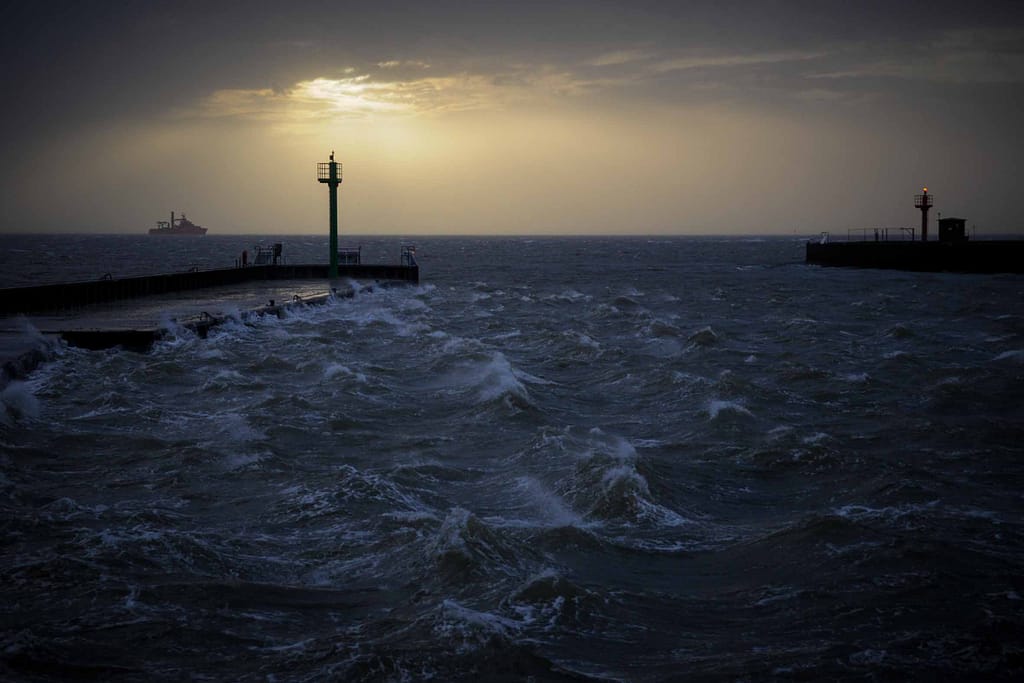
pixel 350 95
pixel 368 95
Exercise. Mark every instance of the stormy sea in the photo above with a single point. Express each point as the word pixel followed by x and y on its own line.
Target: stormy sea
pixel 556 459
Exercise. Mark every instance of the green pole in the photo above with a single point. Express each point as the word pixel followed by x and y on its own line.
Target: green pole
pixel 333 185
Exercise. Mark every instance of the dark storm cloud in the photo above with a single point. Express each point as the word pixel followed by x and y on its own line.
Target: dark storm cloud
pixel 125 59
pixel 952 68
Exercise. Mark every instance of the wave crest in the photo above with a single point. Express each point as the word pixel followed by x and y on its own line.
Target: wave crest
pixel 607 486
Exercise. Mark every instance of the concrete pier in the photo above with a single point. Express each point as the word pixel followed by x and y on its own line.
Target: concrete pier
pixel 73 295
pixel 26 341
pixel 133 313
pixel 974 256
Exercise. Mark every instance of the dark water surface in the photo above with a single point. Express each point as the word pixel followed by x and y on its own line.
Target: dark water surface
pixel 566 459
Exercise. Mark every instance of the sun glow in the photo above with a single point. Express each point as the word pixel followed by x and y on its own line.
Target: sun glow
pixel 404 92
pixel 352 95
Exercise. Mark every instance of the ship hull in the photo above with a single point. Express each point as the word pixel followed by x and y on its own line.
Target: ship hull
pixel 159 231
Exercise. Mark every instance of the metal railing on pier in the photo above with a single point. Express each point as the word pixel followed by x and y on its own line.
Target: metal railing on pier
pixel 896 234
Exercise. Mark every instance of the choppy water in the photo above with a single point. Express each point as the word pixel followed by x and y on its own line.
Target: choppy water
pixel 566 459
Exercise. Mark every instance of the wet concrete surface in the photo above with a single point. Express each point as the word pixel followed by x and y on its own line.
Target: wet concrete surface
pixel 26 341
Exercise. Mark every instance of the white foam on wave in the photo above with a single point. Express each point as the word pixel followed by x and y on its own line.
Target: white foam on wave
pixel 127 535
pixel 497 378
pixel 412 516
pixel 236 427
pixel 210 352
pixel 451 535
pixel 458 345
pixel 385 308
pixel 772 594
pixel 413 304
pixel 718 408
pixel 531 379
pixel 858 512
pixel 225 378
pixel 468 629
pixel 661 347
pixel 585 345
pixel 801 322
pixel 241 461
pixel 234 314
pixel 298 646
pixel 625 476
pixel 173 335
pixel 1016 356
pixel 466 543
pixel 232 328
pixel 567 295
pixel 608 483
pixel 494 378
pixel 548 504
pixel 815 438
pixel 689 379
pixel 29 329
pixel 334 370
pixel 301 503
pixel 18 402
pixel 384 316
pixel 855 377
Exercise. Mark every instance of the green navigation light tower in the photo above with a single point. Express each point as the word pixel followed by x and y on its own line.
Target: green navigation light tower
pixel 330 173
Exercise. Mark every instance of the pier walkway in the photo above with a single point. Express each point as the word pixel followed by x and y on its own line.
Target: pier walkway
pixel 135 324
pixel 134 312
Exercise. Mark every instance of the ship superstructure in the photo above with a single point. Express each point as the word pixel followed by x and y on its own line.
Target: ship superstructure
pixel 177 226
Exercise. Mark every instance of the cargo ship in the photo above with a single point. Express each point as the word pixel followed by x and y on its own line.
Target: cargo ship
pixel 177 226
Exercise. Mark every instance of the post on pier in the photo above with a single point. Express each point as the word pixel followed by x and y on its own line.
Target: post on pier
pixel 330 173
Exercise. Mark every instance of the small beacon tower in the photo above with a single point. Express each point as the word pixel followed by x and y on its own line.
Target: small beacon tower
pixel 330 173
pixel 922 201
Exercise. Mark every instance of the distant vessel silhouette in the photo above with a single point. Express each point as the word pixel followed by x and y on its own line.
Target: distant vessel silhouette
pixel 177 226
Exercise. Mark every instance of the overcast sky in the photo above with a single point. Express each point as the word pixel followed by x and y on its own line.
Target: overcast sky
pixel 510 117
